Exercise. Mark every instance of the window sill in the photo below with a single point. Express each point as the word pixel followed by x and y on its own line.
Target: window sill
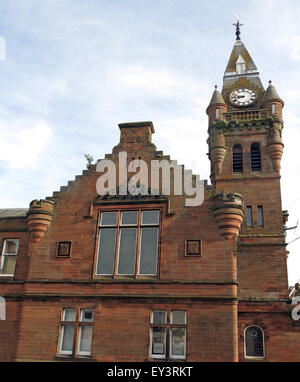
pixel 249 358
pixel 74 358
pixel 120 278
pixel 154 359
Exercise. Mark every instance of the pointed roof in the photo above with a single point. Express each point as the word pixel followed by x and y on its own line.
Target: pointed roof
pixel 216 98
pixel 241 72
pixel 239 52
pixel 271 94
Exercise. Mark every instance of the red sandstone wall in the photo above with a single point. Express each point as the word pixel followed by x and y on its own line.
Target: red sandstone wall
pixel 121 330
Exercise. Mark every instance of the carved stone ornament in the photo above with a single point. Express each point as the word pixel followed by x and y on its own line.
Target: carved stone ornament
pixel 193 247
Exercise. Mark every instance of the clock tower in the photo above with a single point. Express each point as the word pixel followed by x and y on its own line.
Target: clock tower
pixel 245 150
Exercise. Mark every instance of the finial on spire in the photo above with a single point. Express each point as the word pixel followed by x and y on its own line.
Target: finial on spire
pixel 237 27
pixel 216 87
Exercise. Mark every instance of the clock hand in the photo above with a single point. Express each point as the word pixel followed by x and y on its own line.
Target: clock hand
pixel 240 96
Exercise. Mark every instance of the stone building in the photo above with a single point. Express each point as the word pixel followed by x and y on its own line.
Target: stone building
pixel 144 276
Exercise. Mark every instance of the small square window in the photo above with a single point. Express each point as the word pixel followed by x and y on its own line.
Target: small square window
pixel 150 217
pixel 69 315
pixel 109 218
pixel 178 317
pixel 87 315
pixel 159 317
pixel 130 218
pixel 63 249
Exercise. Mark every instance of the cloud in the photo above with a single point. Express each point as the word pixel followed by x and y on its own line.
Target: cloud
pixel 161 81
pixel 23 148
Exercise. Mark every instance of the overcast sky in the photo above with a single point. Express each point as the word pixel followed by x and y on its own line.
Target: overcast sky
pixel 74 69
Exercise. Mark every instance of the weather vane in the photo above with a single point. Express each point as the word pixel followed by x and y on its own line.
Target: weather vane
pixel 237 26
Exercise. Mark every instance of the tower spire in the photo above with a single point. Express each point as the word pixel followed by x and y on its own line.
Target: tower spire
pixel 237 27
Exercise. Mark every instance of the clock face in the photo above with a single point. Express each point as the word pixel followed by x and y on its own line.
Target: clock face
pixel 242 97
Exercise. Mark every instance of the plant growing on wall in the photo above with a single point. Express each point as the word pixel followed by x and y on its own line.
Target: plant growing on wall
pixel 89 160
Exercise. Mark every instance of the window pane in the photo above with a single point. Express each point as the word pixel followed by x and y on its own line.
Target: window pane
pixel 69 315
pixel 130 217
pixel 249 216
pixel 149 246
pixel 67 338
pixel 9 264
pixel 150 217
pixel 127 252
pixel 159 317
pixel 10 247
pixel 178 342
pixel 178 317
pixel 109 218
pixel 106 255
pixel 85 339
pixel 158 341
pixel 86 315
pixel 260 216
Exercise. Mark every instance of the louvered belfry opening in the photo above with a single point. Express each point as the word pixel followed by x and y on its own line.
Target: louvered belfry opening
pixel 237 159
pixel 255 157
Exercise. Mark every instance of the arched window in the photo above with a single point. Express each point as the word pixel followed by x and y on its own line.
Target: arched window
pixel 254 342
pixel 255 157
pixel 237 158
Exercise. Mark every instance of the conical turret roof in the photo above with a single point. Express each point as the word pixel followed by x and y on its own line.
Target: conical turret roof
pixel 216 98
pixel 271 94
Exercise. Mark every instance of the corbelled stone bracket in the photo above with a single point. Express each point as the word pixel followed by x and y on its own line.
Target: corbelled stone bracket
pixel 228 210
pixel 39 218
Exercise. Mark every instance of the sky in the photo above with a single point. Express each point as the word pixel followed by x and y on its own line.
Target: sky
pixel 72 70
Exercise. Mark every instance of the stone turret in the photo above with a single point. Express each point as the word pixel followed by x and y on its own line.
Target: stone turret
pixel 216 141
pixel 272 102
pixel 216 107
pixel 39 218
pixel 228 210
